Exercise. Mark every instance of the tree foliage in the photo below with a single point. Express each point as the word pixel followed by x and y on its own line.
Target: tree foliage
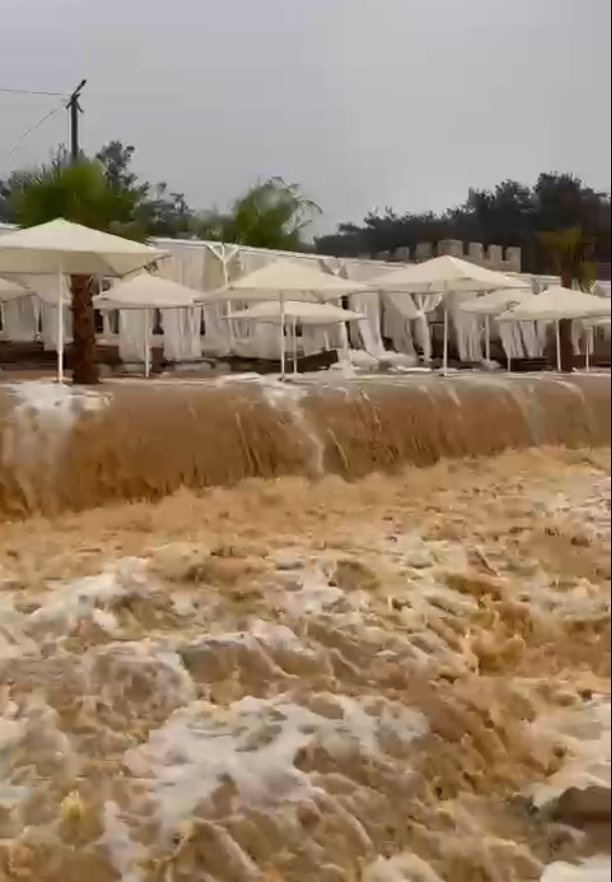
pixel 570 252
pixel 103 192
pixel 106 192
pixel 77 191
pixel 510 214
pixel 273 214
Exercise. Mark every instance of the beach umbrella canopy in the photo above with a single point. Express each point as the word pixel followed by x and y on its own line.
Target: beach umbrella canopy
pixel 443 275
pixel 598 322
pixel 491 304
pixel 307 313
pixel 557 303
pixel 287 278
pixel 72 249
pixel 279 312
pixel 497 301
pixel 60 248
pixel 146 291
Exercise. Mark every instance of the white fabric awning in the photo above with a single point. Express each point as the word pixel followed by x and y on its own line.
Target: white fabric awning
pixel 272 312
pixel 443 275
pixel 62 246
pixel 146 291
pixel 291 279
pixel 496 301
pixel 12 290
pixel 558 303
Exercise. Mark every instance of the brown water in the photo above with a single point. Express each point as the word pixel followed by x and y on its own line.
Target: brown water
pixel 388 680
pixel 134 440
pixel 403 677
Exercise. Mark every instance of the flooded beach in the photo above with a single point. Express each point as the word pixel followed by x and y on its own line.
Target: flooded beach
pixel 404 676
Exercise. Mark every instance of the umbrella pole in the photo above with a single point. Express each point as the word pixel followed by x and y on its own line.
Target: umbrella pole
pixel 558 345
pixel 282 334
pixel 588 348
pixel 60 326
pixel 295 370
pixel 147 359
pixel 445 343
pixel 487 338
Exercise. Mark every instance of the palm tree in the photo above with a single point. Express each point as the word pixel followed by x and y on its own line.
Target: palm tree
pixel 569 251
pixel 78 192
pixel 269 215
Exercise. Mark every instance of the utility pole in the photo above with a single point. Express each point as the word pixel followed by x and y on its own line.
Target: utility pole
pixel 74 108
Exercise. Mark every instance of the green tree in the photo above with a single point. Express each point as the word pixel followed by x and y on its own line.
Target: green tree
pixel 273 214
pixel 154 209
pixel 103 193
pixel 509 214
pixel 78 192
pixel 569 252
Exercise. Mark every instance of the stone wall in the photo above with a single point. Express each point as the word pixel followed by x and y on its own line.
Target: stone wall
pixel 494 257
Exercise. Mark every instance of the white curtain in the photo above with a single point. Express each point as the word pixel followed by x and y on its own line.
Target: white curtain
pixel 49 325
pixel 20 318
pixel 399 312
pixel 181 329
pixel 368 329
pixel 522 339
pixel 425 304
pixel 468 328
pixel 47 291
pixel 132 346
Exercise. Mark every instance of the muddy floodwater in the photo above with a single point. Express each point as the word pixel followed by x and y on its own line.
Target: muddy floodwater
pixel 402 678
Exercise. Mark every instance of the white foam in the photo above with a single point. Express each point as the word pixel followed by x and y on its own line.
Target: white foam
pixel 585 732
pixel 116 665
pixel 69 602
pixel 400 868
pixel 124 853
pixel 312 593
pixel 254 742
pixel 596 869
pixel 44 414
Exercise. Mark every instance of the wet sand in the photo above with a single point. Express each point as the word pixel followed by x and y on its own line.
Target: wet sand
pixel 401 677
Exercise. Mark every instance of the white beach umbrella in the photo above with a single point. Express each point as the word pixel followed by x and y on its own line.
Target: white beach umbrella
pixel 73 248
pixel 493 303
pixel 441 276
pixel 555 304
pixel 61 247
pixel 288 279
pixel 307 313
pixel 146 292
pixel 558 303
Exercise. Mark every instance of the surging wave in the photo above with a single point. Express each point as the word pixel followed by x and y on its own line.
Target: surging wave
pixel 62 449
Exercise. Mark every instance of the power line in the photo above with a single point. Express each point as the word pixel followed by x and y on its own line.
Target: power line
pixel 33 128
pixel 31 92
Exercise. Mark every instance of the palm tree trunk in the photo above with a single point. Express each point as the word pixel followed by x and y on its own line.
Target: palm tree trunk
pixel 567 348
pixel 84 368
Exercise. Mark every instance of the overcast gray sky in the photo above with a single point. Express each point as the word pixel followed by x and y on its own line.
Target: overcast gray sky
pixel 364 102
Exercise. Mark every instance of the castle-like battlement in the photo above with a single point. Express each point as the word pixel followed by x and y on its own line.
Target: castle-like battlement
pixel 493 257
